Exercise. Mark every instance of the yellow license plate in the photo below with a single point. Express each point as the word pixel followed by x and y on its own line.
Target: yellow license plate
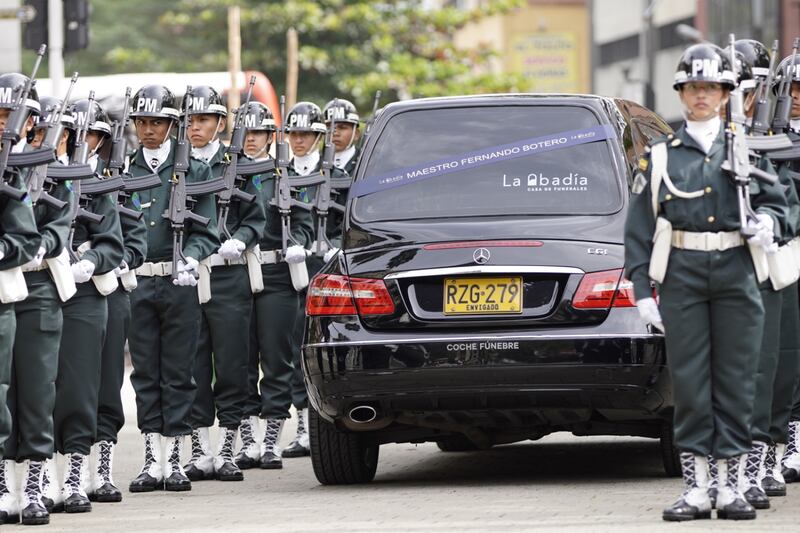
pixel 482 296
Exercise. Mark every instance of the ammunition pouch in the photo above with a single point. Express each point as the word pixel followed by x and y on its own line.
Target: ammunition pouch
pixel 12 286
pixel 760 262
pixel 61 273
pixel 204 280
pixel 128 280
pixel 662 244
pixel 783 268
pixel 253 259
pixel 104 283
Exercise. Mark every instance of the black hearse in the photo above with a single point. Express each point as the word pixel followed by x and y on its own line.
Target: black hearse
pixel 479 297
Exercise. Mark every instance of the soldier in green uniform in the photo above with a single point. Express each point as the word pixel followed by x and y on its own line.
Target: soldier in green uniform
pixel 277 306
pixel 790 460
pixel 19 243
pixel 683 231
pixel 165 313
pixel 32 394
pixel 346 133
pixel 223 348
pixel 260 128
pixel 97 250
pixel 759 480
pixel 110 415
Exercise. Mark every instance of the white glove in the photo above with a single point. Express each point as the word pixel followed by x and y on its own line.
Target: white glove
pixel 82 271
pixel 122 269
pixel 187 273
pixel 36 261
pixel 648 310
pixel 231 249
pixel 295 254
pixel 2 255
pixel 764 237
pixel 329 254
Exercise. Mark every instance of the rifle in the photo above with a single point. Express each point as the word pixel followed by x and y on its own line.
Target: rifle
pixel 325 186
pixel 116 166
pixel 371 119
pixel 179 212
pixel 283 190
pixel 761 115
pixel 231 174
pixel 783 108
pixel 79 211
pixel 12 133
pixel 738 161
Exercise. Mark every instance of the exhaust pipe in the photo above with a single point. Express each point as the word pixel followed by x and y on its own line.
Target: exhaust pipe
pixel 362 414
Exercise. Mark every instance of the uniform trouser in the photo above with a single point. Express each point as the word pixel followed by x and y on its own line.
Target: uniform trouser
pixel 275 317
pixel 788 371
pixel 79 361
pixel 165 325
pixel 252 405
pixel 8 325
pixel 714 320
pixel 223 349
pixel 767 363
pixel 110 415
pixel 299 394
pixel 32 393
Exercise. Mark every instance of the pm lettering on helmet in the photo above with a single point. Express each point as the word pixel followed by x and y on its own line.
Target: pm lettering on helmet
pixel 6 94
pixel 81 117
pixel 197 102
pixel 708 68
pixel 336 113
pixel 251 121
pixel 148 105
pixel 299 121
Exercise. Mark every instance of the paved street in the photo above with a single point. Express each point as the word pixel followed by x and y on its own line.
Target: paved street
pixel 559 483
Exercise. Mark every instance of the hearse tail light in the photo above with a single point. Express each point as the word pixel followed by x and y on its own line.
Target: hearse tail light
pixel 331 294
pixel 601 290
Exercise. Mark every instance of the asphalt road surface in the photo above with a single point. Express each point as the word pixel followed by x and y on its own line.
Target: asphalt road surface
pixel 559 483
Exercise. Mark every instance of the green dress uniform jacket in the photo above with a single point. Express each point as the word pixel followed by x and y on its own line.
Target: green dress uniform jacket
pixel 85 316
pixel 19 242
pixel 32 394
pixel 165 321
pixel 222 356
pixel 709 300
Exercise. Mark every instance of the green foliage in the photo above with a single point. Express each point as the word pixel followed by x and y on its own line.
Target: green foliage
pixel 348 48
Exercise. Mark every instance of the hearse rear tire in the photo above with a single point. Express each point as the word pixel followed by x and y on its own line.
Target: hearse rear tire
pixel 340 457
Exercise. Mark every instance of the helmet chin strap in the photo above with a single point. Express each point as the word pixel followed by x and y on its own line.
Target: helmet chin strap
pixel 688 115
pixel 169 130
pixel 352 138
pixel 216 131
pixel 96 148
pixel 264 149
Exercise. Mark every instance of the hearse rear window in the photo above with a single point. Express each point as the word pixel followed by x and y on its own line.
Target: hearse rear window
pixel 486 161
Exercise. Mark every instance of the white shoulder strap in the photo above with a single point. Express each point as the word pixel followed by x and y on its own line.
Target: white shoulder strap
pixel 658 173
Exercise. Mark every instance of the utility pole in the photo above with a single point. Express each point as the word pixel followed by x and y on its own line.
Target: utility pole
pixel 55 44
pixel 291 68
pixel 234 61
pixel 647 54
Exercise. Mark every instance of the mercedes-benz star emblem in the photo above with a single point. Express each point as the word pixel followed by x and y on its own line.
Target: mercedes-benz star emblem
pixel 481 256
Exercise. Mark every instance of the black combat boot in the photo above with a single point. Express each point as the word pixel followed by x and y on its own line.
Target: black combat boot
pixel 151 477
pixel 9 503
pixel 271 456
pixel 790 465
pixel 694 503
pixel 300 446
pixel 103 487
pixel 33 511
pixel 772 477
pixel 75 478
pixel 201 465
pixel 749 481
pixel 250 452
pixel 174 477
pixel 731 504
pixel 224 467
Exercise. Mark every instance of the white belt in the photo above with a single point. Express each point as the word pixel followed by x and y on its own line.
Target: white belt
pixel 215 260
pixel 706 241
pixel 270 257
pixel 42 266
pixel 149 270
